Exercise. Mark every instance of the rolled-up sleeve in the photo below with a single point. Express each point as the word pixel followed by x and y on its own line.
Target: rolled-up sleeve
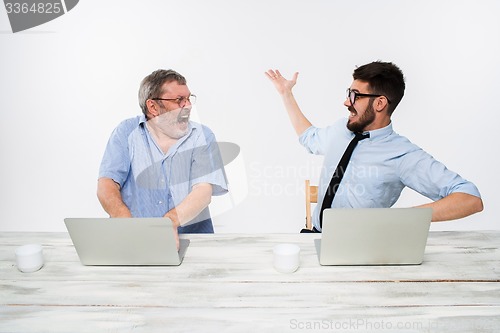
pixel 115 163
pixel 314 139
pixel 317 141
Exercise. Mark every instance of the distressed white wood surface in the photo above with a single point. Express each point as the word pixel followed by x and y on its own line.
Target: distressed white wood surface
pixel 227 283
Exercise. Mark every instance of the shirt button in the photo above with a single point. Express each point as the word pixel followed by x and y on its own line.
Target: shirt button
pixel 160 202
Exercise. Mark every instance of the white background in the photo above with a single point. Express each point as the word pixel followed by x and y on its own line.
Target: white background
pixel 66 84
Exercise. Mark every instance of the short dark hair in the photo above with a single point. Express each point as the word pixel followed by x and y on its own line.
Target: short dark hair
pixel 384 78
pixel 151 85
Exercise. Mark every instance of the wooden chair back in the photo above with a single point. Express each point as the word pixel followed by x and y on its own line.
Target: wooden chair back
pixel 311 197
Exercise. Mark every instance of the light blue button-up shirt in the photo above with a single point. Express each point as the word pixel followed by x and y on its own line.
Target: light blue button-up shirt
pixel 380 167
pixel 152 182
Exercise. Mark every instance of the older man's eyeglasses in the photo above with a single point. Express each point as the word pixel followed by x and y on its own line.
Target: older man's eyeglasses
pixel 354 95
pixel 181 101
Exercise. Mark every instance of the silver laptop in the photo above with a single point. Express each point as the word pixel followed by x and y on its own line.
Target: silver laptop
pixel 374 236
pixel 125 241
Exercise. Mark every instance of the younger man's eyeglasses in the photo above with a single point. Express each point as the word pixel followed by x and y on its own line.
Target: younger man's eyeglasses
pixel 353 96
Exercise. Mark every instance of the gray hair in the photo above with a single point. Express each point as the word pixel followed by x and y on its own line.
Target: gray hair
pixel 151 85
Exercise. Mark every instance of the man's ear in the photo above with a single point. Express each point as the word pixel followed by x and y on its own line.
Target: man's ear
pixel 381 103
pixel 152 108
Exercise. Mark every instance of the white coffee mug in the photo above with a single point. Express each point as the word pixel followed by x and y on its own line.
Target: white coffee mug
pixel 286 258
pixel 29 258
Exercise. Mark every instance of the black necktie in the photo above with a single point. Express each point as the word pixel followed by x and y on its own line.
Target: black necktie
pixel 339 173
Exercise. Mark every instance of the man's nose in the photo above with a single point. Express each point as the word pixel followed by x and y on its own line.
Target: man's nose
pixel 347 102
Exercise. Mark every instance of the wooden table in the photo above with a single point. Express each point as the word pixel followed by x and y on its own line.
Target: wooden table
pixel 227 284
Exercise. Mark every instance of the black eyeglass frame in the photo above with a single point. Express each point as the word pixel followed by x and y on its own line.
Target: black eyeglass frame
pixel 358 94
pixel 178 100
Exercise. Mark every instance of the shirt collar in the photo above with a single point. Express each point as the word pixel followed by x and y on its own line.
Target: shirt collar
pixel 377 134
pixel 381 133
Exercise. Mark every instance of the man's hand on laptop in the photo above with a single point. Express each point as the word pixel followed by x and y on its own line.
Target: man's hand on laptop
pixel 176 235
pixel 172 215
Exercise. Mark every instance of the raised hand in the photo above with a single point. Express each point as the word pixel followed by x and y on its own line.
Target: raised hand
pixel 281 84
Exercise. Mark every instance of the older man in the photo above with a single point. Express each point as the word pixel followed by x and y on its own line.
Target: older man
pixel 160 163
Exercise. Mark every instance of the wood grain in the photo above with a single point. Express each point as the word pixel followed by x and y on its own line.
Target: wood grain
pixel 227 283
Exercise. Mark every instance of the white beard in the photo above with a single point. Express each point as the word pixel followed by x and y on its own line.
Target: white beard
pixel 174 124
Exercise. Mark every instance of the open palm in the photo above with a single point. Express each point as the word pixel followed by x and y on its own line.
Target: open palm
pixel 281 84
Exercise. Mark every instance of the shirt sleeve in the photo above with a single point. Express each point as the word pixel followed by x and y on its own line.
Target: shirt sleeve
pixel 317 140
pixel 429 177
pixel 115 163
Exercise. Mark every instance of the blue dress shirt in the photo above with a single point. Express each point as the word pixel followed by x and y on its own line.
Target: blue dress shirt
pixel 379 169
pixel 152 182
